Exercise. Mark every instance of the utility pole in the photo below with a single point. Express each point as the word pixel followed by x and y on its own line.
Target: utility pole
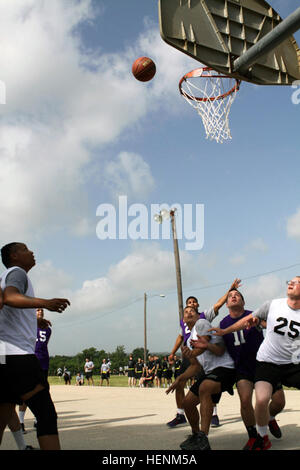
pixel 145 327
pixel 177 265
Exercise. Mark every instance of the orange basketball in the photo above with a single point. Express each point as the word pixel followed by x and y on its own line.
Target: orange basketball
pixel 143 69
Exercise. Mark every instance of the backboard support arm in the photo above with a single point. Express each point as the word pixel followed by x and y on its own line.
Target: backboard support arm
pixel 269 42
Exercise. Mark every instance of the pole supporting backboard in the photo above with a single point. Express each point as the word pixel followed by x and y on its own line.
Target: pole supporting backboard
pixel 218 33
pixel 268 43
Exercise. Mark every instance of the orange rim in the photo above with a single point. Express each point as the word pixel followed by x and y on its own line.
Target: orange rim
pixel 198 73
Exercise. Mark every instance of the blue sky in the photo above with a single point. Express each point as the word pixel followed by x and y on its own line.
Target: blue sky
pixel 78 131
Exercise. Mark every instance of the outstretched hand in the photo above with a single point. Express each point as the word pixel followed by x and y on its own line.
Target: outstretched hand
pixel 57 305
pixel 173 387
pixel 200 343
pixel 236 284
pixel 217 331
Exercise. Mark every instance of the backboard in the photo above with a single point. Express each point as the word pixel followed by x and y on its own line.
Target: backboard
pixel 218 32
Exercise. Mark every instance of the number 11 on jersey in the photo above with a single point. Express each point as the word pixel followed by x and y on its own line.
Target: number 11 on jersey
pixel 239 338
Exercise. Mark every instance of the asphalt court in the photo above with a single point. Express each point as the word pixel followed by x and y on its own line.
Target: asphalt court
pixel 121 418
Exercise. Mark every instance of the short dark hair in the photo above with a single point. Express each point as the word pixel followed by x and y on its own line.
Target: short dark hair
pixel 191 297
pixel 188 306
pixel 6 252
pixel 236 290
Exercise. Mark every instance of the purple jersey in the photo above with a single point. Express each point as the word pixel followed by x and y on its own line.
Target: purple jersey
pixel 41 347
pixel 185 331
pixel 242 345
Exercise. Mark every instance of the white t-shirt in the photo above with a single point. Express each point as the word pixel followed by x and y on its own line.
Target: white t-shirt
pixel 282 333
pixel 18 327
pixel 104 368
pixel 208 360
pixel 88 366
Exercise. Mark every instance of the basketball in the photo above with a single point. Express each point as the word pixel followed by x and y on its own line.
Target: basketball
pixel 143 69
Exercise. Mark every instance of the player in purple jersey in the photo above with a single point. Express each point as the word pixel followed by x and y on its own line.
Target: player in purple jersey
pixel 41 352
pixel 181 341
pixel 243 346
pixel 43 335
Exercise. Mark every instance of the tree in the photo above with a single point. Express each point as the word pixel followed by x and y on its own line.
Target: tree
pixel 139 352
pixel 118 358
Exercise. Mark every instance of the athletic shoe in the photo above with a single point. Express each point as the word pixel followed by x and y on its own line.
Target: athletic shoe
pixel 250 443
pixel 215 423
pixel 23 428
pixel 179 419
pixel 197 441
pixel 275 429
pixel 262 443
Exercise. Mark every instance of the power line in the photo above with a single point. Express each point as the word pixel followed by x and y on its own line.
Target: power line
pixel 210 286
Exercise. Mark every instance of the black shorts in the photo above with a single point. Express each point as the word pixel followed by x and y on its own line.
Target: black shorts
pixel 278 374
pixel 158 374
pixel 131 373
pixel 20 375
pixel 88 375
pixel 225 376
pixel 105 376
pixel 251 378
pixel 244 376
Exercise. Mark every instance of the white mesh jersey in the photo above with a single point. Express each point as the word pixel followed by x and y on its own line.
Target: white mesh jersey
pixel 18 327
pixel 282 333
pixel 208 360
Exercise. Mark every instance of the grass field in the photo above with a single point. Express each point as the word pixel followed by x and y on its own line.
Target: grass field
pixel 114 381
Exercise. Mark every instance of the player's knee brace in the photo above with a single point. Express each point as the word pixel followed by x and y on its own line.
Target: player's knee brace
pixel 43 409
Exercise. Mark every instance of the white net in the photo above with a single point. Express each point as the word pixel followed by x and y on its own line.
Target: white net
pixel 212 95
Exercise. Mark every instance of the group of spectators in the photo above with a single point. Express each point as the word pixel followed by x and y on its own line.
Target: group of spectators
pixel 88 373
pixel 156 371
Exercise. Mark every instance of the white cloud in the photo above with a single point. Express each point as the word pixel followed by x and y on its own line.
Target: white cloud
pixel 265 288
pixel 258 245
pixel 293 226
pixel 49 281
pixel 145 269
pixel 254 246
pixel 237 260
pixel 63 100
pixel 129 174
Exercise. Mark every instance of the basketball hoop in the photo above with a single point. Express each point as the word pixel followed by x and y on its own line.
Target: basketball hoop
pixel 205 90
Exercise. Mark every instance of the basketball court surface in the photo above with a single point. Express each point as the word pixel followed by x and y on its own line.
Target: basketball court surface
pixel 119 418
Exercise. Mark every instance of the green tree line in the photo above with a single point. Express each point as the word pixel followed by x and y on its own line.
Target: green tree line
pixel 118 358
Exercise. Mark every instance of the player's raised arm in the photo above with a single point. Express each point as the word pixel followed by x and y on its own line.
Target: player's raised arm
pixel 245 322
pixel 177 345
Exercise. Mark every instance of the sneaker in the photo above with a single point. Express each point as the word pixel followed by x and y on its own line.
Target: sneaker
pixel 275 429
pixel 250 443
pixel 23 428
pixel 197 441
pixel 262 443
pixel 179 419
pixel 215 423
